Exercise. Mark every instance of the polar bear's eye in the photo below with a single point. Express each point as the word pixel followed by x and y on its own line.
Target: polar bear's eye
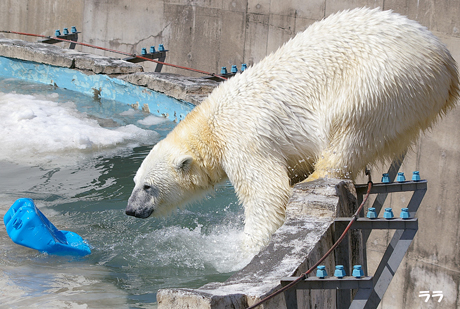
pixel 146 187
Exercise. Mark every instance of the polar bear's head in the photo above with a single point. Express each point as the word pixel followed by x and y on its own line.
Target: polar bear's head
pixel 167 178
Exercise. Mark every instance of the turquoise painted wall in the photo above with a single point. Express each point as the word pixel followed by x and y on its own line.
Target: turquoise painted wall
pixel 106 87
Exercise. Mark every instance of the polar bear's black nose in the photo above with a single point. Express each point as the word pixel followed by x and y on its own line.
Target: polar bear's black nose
pixel 142 213
pixel 130 212
pixel 140 204
pixel 138 212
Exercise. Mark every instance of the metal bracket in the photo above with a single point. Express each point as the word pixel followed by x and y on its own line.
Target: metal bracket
pixel 73 36
pixel 368 291
pixel 160 55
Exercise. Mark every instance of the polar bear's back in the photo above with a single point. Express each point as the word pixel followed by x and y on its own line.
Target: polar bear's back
pixel 362 83
pixel 354 88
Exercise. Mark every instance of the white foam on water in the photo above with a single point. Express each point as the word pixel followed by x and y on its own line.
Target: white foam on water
pixel 38 129
pixel 219 249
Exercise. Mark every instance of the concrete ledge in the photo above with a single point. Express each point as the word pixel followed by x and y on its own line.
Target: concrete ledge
pixel 306 235
pixel 189 89
pixel 105 65
pixel 67 58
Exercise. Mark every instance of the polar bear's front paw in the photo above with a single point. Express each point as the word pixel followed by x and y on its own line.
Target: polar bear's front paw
pixel 316 175
pixel 253 245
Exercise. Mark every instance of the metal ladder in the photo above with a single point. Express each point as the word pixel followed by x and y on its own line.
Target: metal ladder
pixel 367 291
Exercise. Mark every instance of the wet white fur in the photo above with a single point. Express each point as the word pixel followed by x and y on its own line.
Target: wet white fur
pixel 357 87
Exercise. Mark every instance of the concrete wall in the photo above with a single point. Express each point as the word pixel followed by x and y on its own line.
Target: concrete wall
pixel 204 34
pixel 208 34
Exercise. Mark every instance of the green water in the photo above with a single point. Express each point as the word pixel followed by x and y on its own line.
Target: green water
pixel 83 187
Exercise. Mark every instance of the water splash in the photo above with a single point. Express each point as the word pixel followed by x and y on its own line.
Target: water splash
pixel 83 187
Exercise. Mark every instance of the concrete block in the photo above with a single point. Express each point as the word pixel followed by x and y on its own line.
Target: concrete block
pixel 147 26
pixel 299 9
pixel 37 52
pixel 302 23
pixel 305 236
pixel 452 43
pixel 67 58
pixel 421 11
pixel 197 34
pixel 206 38
pixel 255 47
pixel 259 7
pixel 181 20
pixel 105 65
pixel 217 4
pixel 333 6
pixel 281 29
pixel 439 16
pixel 232 39
pixel 189 89
pixel 41 17
pixel 236 5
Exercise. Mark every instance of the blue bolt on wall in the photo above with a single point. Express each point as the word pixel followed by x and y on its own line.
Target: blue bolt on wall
pixel 110 88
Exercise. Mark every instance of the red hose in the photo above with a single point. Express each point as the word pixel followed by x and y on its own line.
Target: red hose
pixel 113 51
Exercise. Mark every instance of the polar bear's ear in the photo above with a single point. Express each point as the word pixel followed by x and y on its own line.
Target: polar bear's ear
pixel 183 163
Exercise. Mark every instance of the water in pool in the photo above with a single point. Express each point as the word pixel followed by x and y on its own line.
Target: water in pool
pixel 76 157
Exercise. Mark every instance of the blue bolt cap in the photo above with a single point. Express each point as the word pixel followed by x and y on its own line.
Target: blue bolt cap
pixel 152 49
pixel 161 47
pixel 385 178
pixel 405 213
pixel 321 272
pixel 144 51
pixel 388 214
pixel 234 69
pixel 57 32
pixel 416 176
pixel 223 70
pixel 371 214
pixel 66 31
pixel 339 271
pixel 358 271
pixel 27 226
pixel 73 29
pixel 401 177
pixel 244 66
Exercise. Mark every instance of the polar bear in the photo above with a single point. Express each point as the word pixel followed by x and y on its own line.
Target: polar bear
pixel 355 88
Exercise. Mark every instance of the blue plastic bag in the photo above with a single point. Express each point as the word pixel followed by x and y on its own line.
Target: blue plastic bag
pixel 27 226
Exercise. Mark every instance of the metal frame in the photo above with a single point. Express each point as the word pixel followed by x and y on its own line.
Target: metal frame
pixel 368 291
pixel 71 36
pixel 402 238
pixel 160 55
